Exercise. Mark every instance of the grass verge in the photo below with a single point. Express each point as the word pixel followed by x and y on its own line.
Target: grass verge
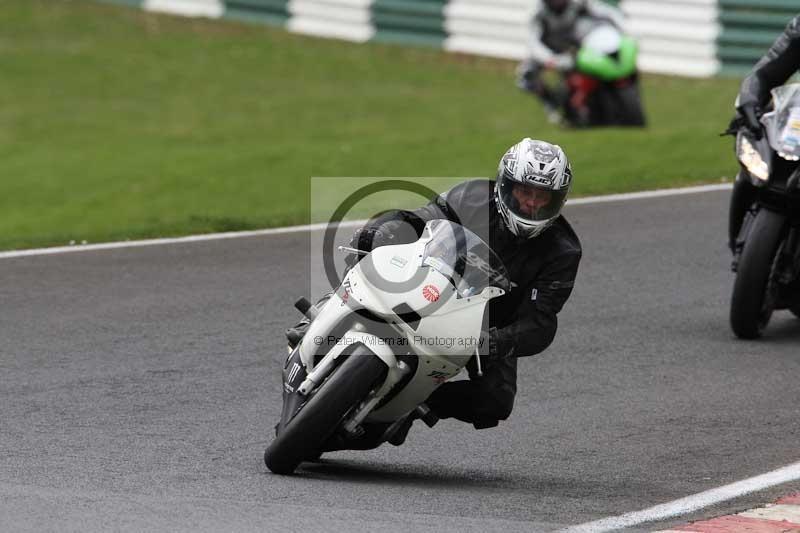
pixel 120 124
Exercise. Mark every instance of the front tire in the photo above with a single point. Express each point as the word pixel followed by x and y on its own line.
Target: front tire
pixel 305 434
pixel 749 314
pixel 629 111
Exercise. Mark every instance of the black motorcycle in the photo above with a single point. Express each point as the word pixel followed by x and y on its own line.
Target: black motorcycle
pixel 767 248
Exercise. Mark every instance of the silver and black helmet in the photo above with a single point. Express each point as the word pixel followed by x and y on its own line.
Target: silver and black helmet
pixel 533 180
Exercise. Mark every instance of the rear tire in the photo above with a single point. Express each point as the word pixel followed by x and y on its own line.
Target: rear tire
pixel 306 433
pixel 749 316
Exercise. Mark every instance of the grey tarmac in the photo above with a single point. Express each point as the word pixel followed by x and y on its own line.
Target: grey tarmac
pixel 140 387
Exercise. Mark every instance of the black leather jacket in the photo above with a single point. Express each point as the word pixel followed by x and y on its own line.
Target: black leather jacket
pixel 542 269
pixel 780 62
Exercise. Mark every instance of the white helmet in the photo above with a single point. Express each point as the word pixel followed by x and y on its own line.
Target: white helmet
pixel 533 180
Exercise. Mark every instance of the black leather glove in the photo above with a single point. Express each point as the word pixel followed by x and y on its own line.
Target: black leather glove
pixel 367 239
pixel 750 119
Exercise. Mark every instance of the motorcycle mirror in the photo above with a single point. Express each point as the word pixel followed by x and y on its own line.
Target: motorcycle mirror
pixel 350 250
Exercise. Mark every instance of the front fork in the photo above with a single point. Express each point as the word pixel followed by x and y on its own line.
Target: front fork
pixel 737 245
pixel 397 370
pixel 353 424
pixel 299 386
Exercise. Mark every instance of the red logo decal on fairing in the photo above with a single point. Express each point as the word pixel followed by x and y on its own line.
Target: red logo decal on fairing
pixel 430 293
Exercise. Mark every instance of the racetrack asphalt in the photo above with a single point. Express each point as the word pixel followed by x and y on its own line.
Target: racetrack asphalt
pixel 140 387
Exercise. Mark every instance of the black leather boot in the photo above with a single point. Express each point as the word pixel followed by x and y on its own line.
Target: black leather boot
pixel 295 334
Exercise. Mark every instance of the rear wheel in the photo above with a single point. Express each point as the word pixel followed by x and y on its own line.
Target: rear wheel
pixel 751 305
pixel 346 387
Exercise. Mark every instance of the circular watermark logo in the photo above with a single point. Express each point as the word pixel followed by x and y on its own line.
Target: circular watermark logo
pixel 367 265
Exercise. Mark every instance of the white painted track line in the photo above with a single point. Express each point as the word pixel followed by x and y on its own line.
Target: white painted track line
pixel 658 193
pixel 691 503
pixel 175 240
pixel 316 227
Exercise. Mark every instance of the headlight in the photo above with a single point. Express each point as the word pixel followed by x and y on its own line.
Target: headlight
pixel 752 161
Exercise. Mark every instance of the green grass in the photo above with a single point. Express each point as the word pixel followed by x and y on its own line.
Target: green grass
pixel 119 124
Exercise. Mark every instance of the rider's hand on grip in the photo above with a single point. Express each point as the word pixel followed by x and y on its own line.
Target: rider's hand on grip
pixel 561 62
pixel 751 114
pixel 368 239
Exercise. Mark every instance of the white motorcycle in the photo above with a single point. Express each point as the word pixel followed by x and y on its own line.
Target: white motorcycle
pixel 405 319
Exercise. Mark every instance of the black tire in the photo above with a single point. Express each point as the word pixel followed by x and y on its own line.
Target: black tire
pixel 616 106
pixel 749 316
pixel 305 434
pixel 629 106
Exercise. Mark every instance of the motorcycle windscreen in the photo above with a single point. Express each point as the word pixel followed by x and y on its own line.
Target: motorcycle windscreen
pixel 464 258
pixel 783 123
pixel 605 66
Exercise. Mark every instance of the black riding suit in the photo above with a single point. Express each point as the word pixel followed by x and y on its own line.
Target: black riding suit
pixel 542 271
pixel 773 70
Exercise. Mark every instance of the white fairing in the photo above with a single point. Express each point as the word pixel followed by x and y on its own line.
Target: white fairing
pixel 598 35
pixel 449 317
pixel 388 282
pixel 783 123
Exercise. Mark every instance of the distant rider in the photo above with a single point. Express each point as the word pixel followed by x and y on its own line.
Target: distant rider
pixel 519 215
pixel 552 37
pixel 773 70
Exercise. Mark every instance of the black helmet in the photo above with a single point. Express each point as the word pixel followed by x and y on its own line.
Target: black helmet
pixel 557 6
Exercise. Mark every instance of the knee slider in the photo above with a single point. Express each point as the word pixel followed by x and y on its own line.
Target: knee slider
pixel 498 407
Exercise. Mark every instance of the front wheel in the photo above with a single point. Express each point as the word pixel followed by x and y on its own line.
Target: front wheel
pixel 629 111
pixel 319 418
pixel 751 306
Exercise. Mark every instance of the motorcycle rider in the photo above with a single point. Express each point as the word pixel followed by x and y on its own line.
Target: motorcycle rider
pixel 519 216
pixel 552 36
pixel 773 70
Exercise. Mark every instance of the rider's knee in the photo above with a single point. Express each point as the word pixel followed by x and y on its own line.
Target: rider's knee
pixel 498 407
pixel 503 410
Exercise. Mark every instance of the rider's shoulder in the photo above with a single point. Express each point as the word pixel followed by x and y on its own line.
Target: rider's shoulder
pixel 474 188
pixel 468 197
pixel 793 28
pixel 564 238
pixel 477 183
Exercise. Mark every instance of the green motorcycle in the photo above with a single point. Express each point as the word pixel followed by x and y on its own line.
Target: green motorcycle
pixel 603 88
